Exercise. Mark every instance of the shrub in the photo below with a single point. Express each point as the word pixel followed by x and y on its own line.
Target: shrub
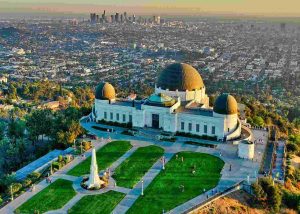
pixel 205 137
pixel 86 145
pixel 1 200
pixel 26 183
pixel 291 200
pixel 56 165
pixel 60 158
pixel 15 187
pixel 291 147
pixel 111 123
pixel 6 181
pixel 34 176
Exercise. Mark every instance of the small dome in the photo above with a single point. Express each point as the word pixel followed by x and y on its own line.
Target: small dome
pixel 180 76
pixel 105 91
pixel 225 104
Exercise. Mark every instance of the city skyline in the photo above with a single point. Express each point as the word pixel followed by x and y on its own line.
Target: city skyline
pixel 147 7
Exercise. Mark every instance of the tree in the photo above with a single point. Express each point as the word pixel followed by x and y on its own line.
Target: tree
pixel 16 129
pixel 258 121
pixel 258 191
pixel 2 129
pixel 39 123
pixel 274 198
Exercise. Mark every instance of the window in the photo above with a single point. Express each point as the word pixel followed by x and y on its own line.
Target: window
pixel 118 116
pixel 130 118
pixel 111 116
pixel 182 125
pixel 197 128
pixel 205 129
pixel 190 127
pixel 105 115
pixel 213 130
pixel 124 117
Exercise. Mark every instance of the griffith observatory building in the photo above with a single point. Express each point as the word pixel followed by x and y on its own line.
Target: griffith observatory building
pixel 178 104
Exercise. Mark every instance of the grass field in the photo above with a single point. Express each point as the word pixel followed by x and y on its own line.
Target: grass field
pixel 97 204
pixel 53 197
pixel 105 157
pixel 165 193
pixel 133 168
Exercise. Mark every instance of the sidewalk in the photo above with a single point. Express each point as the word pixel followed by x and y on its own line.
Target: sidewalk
pixel 9 208
pixel 133 195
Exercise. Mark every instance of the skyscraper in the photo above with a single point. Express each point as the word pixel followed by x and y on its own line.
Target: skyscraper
pixel 125 16
pixel 117 17
pixel 112 18
pixel 93 17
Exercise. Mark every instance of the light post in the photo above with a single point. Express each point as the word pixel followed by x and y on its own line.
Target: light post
pixel 142 187
pixel 248 179
pixel 51 170
pixel 74 145
pixel 163 162
pixel 11 193
pixel 81 147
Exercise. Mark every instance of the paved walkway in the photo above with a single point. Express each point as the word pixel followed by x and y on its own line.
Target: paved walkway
pixel 133 195
pixel 9 208
pixel 44 160
pixel 240 170
pixel 277 172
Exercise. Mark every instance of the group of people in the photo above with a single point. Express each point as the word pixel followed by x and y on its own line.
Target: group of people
pixel 259 141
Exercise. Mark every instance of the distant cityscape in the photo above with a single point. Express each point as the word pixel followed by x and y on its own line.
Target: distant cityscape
pixel 123 18
pixel 238 56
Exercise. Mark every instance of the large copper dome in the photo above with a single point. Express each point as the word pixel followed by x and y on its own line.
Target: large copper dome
pixel 105 91
pixel 225 104
pixel 181 77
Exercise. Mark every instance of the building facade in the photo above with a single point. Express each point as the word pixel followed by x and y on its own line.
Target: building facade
pixel 179 104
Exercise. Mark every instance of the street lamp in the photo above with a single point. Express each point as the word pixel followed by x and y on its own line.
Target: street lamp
pixel 142 187
pixel 163 162
pixel 11 193
pixel 51 170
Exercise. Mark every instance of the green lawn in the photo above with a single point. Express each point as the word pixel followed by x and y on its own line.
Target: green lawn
pixel 105 157
pixel 164 193
pixel 97 204
pixel 133 168
pixel 53 197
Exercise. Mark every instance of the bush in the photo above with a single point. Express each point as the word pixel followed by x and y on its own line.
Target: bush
pixel 204 137
pixel 291 147
pixel 86 145
pixel 56 165
pixel 291 200
pixel 6 181
pixel 26 183
pixel 1 200
pixel 60 158
pixel 34 176
pixel 15 187
pixel 111 123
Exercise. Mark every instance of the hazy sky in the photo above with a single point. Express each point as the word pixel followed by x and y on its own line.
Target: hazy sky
pixel 182 7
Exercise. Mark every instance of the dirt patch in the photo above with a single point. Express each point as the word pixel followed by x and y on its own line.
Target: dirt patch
pixel 235 203
pixel 295 161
